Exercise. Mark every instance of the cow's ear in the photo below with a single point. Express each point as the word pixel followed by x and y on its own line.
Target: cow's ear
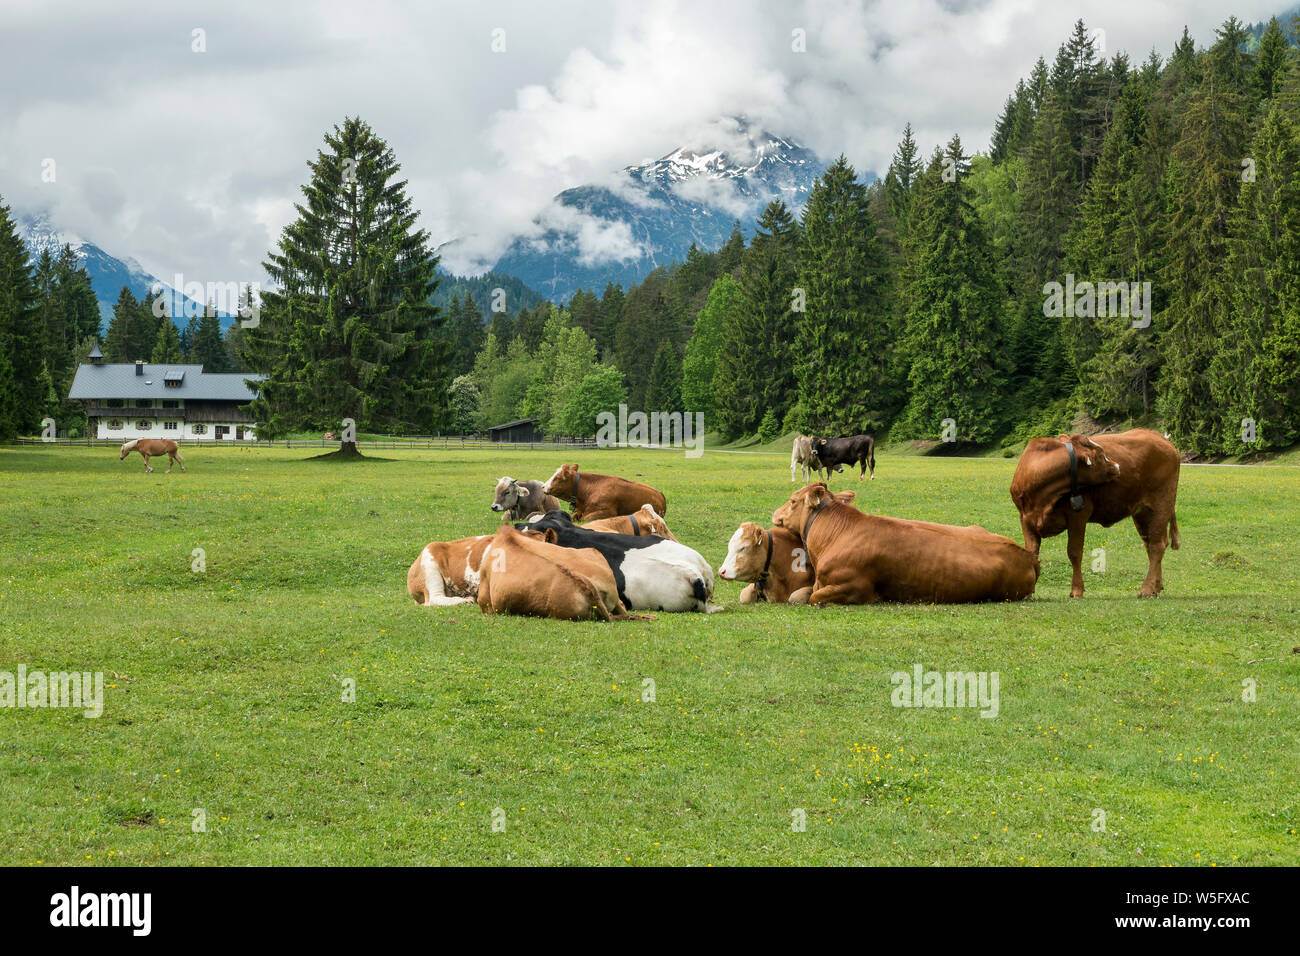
pixel 815 494
pixel 756 534
pixel 523 491
pixel 1062 437
pixel 551 536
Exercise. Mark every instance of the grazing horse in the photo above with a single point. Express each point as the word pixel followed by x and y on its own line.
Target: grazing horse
pixel 154 446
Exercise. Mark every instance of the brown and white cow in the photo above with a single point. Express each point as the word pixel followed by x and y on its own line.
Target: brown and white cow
pixel 602 496
pixel 645 520
pixel 861 558
pixel 519 499
pixel 774 559
pixel 447 572
pixel 1063 483
pixel 524 572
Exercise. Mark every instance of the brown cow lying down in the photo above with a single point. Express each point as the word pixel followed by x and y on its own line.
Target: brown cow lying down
pixel 774 559
pixel 861 558
pixel 447 572
pixel 602 496
pixel 1134 473
pixel 642 521
pixel 524 573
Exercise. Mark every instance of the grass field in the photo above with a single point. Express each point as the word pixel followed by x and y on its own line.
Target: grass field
pixel 224 687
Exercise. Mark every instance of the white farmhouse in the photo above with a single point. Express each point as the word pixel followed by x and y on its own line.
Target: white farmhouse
pixel 182 402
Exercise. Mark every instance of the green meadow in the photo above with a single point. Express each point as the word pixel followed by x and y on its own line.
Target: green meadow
pixel 1124 733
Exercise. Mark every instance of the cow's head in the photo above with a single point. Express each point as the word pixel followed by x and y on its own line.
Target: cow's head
pixel 793 515
pixel 1095 466
pixel 509 493
pixel 547 535
pixel 650 523
pixel 561 483
pixel 746 554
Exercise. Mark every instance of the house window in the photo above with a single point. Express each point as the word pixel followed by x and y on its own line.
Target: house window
pixel 113 403
pixel 171 403
pixel 144 424
pixel 144 403
pixel 115 425
pixel 199 429
pixel 222 430
pixel 169 426
pixel 172 383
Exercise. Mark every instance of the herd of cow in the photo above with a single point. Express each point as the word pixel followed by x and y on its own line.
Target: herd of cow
pixel 614 554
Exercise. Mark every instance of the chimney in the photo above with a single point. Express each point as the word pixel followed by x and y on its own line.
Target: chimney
pixel 139 366
pixel 96 356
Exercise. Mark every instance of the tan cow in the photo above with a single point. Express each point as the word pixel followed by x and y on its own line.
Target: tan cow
pixel 1067 482
pixel 642 521
pixel 447 572
pixel 861 558
pixel 602 496
pixel 524 572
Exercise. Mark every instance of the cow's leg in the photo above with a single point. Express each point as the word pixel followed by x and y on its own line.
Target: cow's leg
pixel 862 465
pixel 859 591
pixel 1032 541
pixel 1151 527
pixel 1074 548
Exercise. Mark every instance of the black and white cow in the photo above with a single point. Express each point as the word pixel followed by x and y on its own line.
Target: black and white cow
pixel 519 499
pixel 653 574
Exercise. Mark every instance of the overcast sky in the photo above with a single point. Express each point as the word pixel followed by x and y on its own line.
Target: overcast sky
pixel 191 161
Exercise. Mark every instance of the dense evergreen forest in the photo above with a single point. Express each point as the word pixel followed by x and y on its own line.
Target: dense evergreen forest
pixel 1126 251
pixel 928 296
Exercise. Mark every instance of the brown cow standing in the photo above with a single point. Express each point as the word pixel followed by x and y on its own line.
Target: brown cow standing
pixel 1132 474
pixel 150 447
pixel 861 558
pixel 527 573
pixel 602 496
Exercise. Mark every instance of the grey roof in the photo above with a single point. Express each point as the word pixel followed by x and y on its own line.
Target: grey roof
pixel 120 381
pixel 522 421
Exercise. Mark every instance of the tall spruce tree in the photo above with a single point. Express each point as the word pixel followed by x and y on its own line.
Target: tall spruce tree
pixel 1253 369
pixel 953 338
pixel 24 382
pixel 167 344
pixel 1208 157
pixel 846 367
pixel 348 331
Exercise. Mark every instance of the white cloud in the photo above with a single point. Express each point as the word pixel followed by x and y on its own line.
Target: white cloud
pixel 191 162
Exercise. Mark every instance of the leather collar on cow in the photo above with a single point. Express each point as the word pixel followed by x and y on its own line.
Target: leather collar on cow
pixel 573 502
pixel 809 523
pixel 761 583
pixel 636 528
pixel 1076 499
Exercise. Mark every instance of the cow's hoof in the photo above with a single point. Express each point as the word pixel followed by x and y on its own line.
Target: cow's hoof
pixel 1076 594
pixel 1148 592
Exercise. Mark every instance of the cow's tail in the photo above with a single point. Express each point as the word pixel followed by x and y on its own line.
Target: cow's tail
pixel 663 512
pixel 1175 539
pixel 871 453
